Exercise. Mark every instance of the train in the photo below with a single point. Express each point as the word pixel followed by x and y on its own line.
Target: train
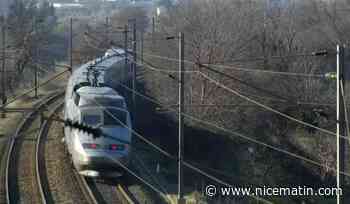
pixel 92 100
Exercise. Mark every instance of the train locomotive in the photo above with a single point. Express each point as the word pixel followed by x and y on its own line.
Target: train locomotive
pixel 90 100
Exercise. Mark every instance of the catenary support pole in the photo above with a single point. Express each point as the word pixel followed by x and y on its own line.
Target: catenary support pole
pixel 126 50
pixel 3 74
pixel 36 58
pixel 142 46
pixel 134 66
pixel 71 46
pixel 342 119
pixel 181 119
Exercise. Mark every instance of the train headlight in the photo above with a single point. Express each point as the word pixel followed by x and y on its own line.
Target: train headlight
pixel 117 147
pixel 92 146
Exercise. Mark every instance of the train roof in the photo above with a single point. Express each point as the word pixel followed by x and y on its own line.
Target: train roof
pixel 114 51
pixel 104 96
pixel 103 63
pixel 105 91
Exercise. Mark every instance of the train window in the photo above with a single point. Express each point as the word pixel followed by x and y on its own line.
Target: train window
pixel 120 103
pixel 91 119
pixel 114 103
pixel 114 117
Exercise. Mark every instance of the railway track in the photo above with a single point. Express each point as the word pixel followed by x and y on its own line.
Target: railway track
pixel 61 184
pixel 21 182
pixel 65 184
pixel 40 159
pixel 27 177
pixel 126 194
pixel 112 191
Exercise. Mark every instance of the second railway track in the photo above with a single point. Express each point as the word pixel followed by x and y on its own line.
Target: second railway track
pixel 21 182
pixel 63 181
pixel 60 183
pixel 38 171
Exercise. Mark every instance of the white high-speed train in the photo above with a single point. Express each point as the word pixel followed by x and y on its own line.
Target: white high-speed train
pixel 90 100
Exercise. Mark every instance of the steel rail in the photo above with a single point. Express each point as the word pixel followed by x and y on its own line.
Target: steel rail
pixel 127 195
pixel 84 186
pixel 20 128
pixel 39 154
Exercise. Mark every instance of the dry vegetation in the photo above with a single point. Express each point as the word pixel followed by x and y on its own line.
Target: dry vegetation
pixel 247 35
pixel 244 35
pixel 255 36
pixel 28 29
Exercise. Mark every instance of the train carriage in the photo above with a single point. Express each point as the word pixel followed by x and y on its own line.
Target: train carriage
pixel 90 100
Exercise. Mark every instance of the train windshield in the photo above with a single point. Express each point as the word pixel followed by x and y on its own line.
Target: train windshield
pixel 103 102
pixel 92 118
pixel 114 117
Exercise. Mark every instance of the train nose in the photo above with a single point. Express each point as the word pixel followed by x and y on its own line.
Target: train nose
pixel 98 157
pixel 101 164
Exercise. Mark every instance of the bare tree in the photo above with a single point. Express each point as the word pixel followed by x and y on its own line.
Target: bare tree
pixel 251 35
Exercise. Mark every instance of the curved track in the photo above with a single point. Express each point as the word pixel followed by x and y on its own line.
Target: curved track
pixel 27 174
pixel 111 191
pixel 21 182
pixel 61 183
pixel 40 159
pixel 81 190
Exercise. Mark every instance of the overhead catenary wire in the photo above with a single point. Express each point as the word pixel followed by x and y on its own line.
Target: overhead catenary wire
pixel 217 171
pixel 261 58
pixel 241 69
pixel 220 181
pixel 144 166
pixel 208 175
pixel 138 177
pixel 269 108
pixel 33 88
pixel 275 98
pixel 149 65
pixel 137 134
pixel 266 107
pixel 345 108
pixel 313 127
pixel 43 69
pixel 278 98
pixel 244 82
pixel 166 154
pixel 282 99
pixel 235 134
pixel 90 43
pixel 146 65
pixel 215 65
